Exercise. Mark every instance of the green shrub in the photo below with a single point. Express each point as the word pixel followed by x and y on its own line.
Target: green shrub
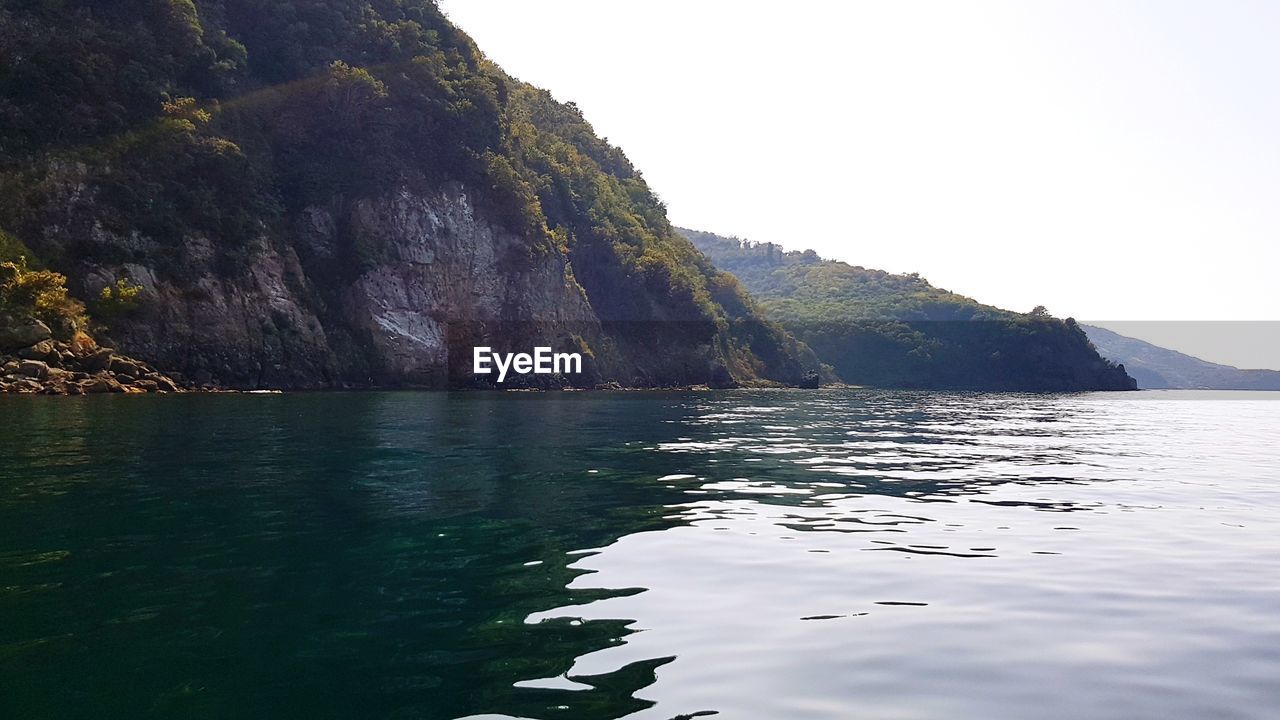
pixel 117 300
pixel 13 250
pixel 41 294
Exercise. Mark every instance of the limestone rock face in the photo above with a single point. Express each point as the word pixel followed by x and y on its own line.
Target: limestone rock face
pixel 254 329
pixel 439 268
pixel 363 293
pixel 393 290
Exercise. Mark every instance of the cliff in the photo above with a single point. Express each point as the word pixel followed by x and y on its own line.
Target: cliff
pixel 885 330
pixel 328 193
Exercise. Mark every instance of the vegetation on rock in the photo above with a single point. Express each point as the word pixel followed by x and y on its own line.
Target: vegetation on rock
pixel 154 133
pixel 42 295
pixel 45 346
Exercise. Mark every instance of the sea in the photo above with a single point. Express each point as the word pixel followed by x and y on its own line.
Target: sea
pixel 745 554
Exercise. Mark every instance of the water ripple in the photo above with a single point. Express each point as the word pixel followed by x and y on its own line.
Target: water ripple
pixel 750 554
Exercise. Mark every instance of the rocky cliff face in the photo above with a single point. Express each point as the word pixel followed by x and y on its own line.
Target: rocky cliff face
pixel 384 292
pixel 441 267
pixel 306 313
pixel 361 295
pixel 328 193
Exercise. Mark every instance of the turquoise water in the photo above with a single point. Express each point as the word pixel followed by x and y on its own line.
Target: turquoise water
pixel 756 554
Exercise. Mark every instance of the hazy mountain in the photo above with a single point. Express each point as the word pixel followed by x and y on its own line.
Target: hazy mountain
pixel 1155 367
pixel 877 328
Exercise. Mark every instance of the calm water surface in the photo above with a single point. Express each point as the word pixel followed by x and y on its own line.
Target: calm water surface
pixel 752 554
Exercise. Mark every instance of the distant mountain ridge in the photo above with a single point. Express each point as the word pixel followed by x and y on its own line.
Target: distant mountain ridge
pixel 1155 367
pixel 886 330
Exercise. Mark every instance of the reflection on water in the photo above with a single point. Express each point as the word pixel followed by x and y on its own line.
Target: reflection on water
pixel 754 554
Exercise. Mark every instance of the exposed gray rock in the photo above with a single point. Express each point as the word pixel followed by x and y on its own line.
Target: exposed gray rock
pixel 446 265
pixel 21 332
pixel 375 304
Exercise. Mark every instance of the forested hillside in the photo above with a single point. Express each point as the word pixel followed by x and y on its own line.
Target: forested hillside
pixel 324 192
pixel 876 328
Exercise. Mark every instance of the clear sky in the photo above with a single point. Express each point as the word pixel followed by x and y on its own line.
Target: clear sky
pixel 1111 160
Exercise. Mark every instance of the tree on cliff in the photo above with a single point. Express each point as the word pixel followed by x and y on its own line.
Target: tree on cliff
pixel 141 132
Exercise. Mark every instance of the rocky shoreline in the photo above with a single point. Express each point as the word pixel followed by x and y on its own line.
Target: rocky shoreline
pixel 33 362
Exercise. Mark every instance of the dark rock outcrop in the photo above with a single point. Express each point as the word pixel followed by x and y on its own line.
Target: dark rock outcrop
pixel 22 332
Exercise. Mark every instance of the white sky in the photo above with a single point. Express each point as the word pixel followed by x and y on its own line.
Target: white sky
pixel 1111 160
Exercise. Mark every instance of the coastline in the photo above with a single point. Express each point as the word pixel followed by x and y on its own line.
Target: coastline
pixel 52 367
pixel 105 386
